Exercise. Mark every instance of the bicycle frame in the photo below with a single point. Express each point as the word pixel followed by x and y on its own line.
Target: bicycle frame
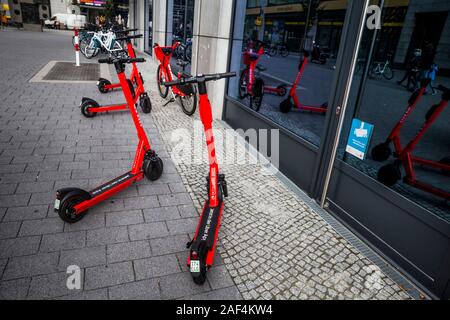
pixel 164 61
pixel 106 40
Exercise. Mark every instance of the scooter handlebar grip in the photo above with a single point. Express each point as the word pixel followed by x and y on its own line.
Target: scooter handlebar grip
pixel 136 60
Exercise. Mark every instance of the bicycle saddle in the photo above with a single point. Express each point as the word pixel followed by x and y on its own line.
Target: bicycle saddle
pixel 261 68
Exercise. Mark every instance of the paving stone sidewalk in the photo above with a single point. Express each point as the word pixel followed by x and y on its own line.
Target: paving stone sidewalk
pixel 130 247
pixel 273 245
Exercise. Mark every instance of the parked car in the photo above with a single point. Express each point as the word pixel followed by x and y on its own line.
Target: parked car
pixel 69 21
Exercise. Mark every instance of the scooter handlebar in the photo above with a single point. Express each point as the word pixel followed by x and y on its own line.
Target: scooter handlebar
pixel 123 60
pixel 200 77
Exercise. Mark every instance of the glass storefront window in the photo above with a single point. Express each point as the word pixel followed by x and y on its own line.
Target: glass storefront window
pixel 287 61
pixel 409 148
pixel 148 41
pixel 182 28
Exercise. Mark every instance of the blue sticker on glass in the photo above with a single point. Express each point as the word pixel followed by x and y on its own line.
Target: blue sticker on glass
pixel 359 138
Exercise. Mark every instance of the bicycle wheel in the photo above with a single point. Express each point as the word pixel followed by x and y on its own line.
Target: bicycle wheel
pixel 258 94
pixel 272 51
pixel 90 51
pixel 189 102
pixel 284 52
pixel 163 90
pixel 243 84
pixel 388 73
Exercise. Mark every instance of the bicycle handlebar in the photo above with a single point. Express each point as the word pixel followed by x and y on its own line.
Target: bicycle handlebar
pixel 122 60
pixel 136 36
pixel 200 77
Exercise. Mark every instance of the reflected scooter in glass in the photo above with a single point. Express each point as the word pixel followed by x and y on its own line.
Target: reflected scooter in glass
pixel 72 204
pixel 252 86
pixel 186 94
pixel 89 107
pixel 390 174
pixel 204 242
pixel 293 100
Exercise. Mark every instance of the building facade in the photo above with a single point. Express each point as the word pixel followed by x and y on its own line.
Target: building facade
pixel 352 90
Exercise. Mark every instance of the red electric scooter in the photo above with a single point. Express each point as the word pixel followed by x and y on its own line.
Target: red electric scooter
pixel 204 242
pixel 72 203
pixel 90 107
pixel 186 94
pixel 104 85
pixel 293 101
pixel 390 174
pixel 253 86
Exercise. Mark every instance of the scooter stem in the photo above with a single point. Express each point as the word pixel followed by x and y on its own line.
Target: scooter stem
pixel 206 118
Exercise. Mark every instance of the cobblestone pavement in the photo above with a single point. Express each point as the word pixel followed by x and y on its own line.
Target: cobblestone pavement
pixel 132 246
pixel 272 244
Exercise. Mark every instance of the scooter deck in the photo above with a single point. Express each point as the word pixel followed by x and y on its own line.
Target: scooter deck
pixel 205 238
pixel 108 189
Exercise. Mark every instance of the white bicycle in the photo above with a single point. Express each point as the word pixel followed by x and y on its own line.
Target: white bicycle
pixel 101 42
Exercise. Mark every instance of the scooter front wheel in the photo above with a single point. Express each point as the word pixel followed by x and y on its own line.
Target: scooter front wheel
pixel 381 152
pixel 101 85
pixel 389 174
pixel 67 211
pixel 153 168
pixel 286 105
pixel 146 104
pixel 85 106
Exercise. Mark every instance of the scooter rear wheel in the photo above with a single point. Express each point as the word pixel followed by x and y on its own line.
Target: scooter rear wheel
pixel 153 168
pixel 389 174
pixel 201 278
pixel 381 152
pixel 85 106
pixel 67 212
pixel 281 90
pixel 101 85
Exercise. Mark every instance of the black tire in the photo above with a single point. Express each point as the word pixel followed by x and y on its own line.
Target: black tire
pixel 146 104
pixel 286 105
pixel 388 74
pixel 153 168
pixel 431 111
pixel 272 51
pixel 101 85
pixel 389 174
pixel 162 89
pixel 189 102
pixel 242 86
pixel 85 106
pixel 381 152
pixel 281 90
pixel 284 52
pixel 201 278
pixel 66 212
pixel 258 94
pixel 446 161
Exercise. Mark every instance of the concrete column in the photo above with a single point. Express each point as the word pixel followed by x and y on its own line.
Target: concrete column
pixel 211 45
pixel 159 21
